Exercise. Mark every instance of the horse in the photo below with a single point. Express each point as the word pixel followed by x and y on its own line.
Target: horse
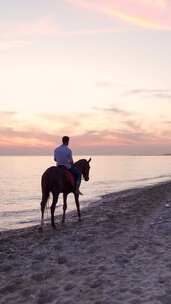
pixel 58 180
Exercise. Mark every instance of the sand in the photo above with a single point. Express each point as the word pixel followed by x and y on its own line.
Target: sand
pixel 119 253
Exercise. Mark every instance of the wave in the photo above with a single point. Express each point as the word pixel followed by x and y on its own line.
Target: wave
pixel 19 212
pixel 151 178
pixel 97 183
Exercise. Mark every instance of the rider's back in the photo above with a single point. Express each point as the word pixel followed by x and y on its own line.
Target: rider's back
pixel 63 156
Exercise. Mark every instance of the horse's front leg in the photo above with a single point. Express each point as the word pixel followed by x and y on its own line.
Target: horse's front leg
pixel 76 195
pixel 64 207
pixel 54 202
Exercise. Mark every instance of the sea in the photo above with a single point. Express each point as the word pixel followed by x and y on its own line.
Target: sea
pixel 20 177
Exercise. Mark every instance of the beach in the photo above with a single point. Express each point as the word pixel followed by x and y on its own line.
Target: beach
pixel 119 254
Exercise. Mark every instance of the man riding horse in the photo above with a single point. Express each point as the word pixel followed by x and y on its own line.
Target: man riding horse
pixel 63 158
pixel 57 179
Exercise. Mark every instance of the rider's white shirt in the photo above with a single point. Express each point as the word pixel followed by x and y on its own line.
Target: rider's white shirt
pixel 63 156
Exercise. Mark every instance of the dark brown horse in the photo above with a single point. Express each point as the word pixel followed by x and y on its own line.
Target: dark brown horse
pixel 55 180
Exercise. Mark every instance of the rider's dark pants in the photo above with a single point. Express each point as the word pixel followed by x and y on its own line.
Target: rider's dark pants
pixel 76 173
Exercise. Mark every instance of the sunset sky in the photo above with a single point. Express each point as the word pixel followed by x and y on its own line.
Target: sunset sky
pixel 98 71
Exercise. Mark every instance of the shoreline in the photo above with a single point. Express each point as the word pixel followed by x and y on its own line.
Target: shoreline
pixel 119 253
pixel 85 204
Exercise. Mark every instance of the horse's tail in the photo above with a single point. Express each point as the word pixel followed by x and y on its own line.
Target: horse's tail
pixel 45 188
pixel 45 195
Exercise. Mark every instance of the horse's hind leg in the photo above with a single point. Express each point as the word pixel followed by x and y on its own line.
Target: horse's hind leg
pixel 54 202
pixel 43 204
pixel 77 205
pixel 64 206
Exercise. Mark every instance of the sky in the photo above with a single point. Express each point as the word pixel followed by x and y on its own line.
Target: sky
pixel 98 71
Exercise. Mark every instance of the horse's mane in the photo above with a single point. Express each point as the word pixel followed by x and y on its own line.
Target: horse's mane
pixel 80 163
pixel 83 160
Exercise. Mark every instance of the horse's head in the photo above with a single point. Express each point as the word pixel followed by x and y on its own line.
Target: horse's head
pixel 86 169
pixel 84 166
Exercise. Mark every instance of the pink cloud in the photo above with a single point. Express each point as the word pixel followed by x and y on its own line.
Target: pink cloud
pixel 11 44
pixel 20 35
pixel 145 14
pixel 20 136
pixel 42 26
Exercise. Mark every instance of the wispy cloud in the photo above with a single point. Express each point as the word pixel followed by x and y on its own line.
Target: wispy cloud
pixel 41 26
pixel 113 110
pixel 22 34
pixel 133 19
pixel 19 35
pixel 104 84
pixel 143 13
pixel 108 84
pixel 157 3
pixel 167 122
pixel 12 44
pixel 158 93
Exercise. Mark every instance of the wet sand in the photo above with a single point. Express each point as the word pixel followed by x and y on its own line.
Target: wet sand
pixel 119 254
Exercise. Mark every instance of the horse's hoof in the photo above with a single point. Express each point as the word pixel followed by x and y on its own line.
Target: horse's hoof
pixel 54 227
pixel 40 229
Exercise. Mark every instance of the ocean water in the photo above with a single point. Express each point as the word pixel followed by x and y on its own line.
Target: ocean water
pixel 20 191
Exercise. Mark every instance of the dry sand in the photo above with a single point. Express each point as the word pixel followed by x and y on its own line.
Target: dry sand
pixel 120 253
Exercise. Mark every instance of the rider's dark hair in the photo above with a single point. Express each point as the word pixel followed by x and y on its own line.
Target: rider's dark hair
pixel 65 140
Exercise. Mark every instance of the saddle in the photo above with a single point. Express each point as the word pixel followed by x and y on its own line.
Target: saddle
pixel 69 176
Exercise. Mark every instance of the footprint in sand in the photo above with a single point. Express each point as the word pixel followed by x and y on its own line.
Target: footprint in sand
pixel 46 296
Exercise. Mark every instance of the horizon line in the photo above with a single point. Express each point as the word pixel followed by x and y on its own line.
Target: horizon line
pixel 90 154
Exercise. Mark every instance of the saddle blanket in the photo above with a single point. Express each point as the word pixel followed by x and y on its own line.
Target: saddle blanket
pixel 70 178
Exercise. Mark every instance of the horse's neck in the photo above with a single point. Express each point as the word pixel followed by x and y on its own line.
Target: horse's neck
pixel 79 165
